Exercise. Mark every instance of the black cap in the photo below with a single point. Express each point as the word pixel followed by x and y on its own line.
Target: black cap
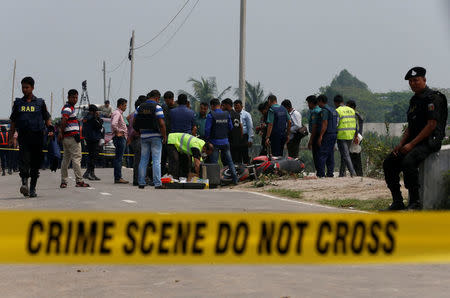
pixel 415 72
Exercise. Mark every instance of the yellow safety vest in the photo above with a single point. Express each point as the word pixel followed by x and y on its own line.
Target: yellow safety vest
pixel 184 142
pixel 347 123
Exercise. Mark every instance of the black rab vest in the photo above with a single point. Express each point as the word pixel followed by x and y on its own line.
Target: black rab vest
pixel 146 117
pixel 219 128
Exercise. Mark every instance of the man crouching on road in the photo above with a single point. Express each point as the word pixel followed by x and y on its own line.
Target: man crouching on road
pixel 427 117
pixel 191 146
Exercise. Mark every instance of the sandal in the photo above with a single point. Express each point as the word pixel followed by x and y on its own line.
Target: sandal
pixel 63 185
pixel 82 184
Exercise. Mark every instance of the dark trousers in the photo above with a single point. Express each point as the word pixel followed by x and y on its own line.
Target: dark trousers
pixel 315 155
pixel 119 143
pixel 4 159
pixel 357 164
pixel 13 157
pixel 92 147
pixel 30 153
pixel 178 162
pixel 136 147
pixel 164 160
pixel 408 164
pixel 239 151
pixel 326 156
pixel 244 150
pixel 277 144
pixel 293 147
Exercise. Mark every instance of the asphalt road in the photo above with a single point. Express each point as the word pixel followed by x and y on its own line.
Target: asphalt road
pixel 196 281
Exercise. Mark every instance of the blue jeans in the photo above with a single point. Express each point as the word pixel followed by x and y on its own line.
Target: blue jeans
pixel 225 154
pixel 326 155
pixel 119 143
pixel 155 146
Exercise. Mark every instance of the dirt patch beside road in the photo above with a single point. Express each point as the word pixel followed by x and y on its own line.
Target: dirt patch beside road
pixel 314 189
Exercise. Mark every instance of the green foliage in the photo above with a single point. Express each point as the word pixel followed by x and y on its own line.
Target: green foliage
pixel 205 89
pixel 367 205
pixel 264 180
pixel 375 149
pixel 375 107
pixel 289 193
pixel 254 95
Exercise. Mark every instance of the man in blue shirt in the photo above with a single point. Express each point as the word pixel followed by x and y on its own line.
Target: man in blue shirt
pixel 327 137
pixel 153 135
pixel 183 119
pixel 247 130
pixel 200 120
pixel 315 126
pixel 218 125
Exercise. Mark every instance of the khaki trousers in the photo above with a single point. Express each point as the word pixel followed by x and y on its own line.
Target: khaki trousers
pixel 72 152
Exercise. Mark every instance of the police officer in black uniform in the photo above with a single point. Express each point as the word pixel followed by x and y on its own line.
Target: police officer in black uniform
pixel 427 117
pixel 30 116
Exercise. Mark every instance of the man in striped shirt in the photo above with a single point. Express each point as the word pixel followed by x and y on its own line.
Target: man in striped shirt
pixel 152 141
pixel 70 135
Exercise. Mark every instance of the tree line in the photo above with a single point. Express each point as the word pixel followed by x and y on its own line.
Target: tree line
pixel 375 107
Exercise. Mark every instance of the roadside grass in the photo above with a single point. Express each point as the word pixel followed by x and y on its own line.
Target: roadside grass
pixel 366 205
pixel 290 193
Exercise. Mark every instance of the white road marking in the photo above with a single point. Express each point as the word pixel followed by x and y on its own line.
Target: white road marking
pixel 129 201
pixel 304 203
pixel 105 194
pixel 91 188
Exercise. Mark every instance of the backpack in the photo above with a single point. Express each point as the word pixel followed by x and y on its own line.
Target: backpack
pixel 145 117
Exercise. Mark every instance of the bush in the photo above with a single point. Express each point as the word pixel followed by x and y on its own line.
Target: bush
pixel 375 148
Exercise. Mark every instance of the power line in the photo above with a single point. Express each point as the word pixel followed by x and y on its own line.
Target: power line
pixel 160 32
pixel 173 35
pixel 120 84
pixel 118 66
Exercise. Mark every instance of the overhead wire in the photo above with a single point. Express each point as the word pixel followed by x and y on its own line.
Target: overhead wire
pixel 118 66
pixel 120 84
pixel 163 29
pixel 173 35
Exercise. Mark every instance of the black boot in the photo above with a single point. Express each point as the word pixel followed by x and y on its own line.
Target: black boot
pixel 86 174
pixel 414 200
pixel 94 177
pixel 24 187
pixel 397 203
pixel 33 183
pixel 9 172
pixel 3 172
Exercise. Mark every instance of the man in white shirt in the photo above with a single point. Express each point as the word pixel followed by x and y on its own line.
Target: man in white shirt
pixel 293 145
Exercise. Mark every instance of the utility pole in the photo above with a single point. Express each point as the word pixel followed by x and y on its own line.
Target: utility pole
pixel 63 97
pixel 51 104
pixel 242 53
pixel 104 81
pixel 109 88
pixel 130 100
pixel 13 83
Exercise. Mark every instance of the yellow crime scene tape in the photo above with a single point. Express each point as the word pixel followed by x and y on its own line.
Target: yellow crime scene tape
pixel 84 153
pixel 223 238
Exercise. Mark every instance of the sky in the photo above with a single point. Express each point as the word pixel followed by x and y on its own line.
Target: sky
pixel 293 47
